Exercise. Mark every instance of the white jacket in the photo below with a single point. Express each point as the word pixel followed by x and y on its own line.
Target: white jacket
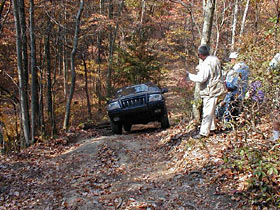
pixel 275 61
pixel 210 77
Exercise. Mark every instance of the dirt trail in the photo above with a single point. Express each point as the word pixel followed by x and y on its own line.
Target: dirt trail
pixel 133 171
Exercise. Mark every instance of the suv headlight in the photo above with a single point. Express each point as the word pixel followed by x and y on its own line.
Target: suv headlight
pixel 155 97
pixel 114 105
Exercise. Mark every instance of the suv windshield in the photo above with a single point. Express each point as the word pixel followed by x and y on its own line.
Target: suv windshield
pixel 132 89
pixel 136 89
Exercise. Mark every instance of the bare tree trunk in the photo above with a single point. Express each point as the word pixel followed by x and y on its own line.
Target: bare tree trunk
pixel 65 69
pixel 34 80
pixel 208 22
pixel 99 45
pixel 41 104
pixel 244 18
pixel 24 44
pixel 205 39
pixel 49 78
pixel 112 37
pixel 257 16
pixel 101 6
pixel 193 24
pixel 41 88
pixel 219 26
pixel 234 24
pixel 65 56
pixel 110 64
pixel 98 82
pixel 22 85
pixel 73 71
pixel 86 88
pixel 111 48
pixel 60 51
pixel 22 19
pixel 143 5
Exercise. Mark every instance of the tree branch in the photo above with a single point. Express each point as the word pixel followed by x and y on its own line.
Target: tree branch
pixel 7 92
pixel 182 3
pixel 5 16
pixel 188 7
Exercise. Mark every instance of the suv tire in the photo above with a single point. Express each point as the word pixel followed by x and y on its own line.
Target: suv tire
pixel 127 126
pixel 164 121
pixel 116 127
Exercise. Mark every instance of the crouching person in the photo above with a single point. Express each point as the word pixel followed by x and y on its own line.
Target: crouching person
pixel 236 84
pixel 274 66
pixel 275 126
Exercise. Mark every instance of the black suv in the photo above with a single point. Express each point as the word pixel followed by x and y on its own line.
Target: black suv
pixel 137 104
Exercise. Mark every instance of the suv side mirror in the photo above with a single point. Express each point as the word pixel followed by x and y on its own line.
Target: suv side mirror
pixel 164 90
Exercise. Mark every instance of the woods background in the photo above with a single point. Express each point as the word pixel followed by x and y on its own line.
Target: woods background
pixel 61 60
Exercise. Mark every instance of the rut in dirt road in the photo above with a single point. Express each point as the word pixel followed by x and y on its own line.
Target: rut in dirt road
pixel 134 171
pixel 137 170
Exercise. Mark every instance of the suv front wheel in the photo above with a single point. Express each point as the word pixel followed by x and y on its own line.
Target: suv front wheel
pixel 116 127
pixel 164 120
pixel 127 126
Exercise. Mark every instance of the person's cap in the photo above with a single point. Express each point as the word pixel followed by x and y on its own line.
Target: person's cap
pixel 233 55
pixel 204 50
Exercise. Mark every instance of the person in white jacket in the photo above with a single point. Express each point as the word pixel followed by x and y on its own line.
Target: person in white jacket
pixel 209 77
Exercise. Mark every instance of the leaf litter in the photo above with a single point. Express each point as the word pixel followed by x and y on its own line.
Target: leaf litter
pixel 146 169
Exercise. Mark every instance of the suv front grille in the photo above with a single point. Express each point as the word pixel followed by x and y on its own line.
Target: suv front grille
pixel 136 101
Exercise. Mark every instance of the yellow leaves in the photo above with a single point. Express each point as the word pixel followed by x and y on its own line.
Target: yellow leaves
pixel 93 20
pixel 9 125
pixel 92 69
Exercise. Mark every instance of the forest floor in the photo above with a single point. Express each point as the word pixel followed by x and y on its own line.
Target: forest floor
pixel 147 168
pixel 136 170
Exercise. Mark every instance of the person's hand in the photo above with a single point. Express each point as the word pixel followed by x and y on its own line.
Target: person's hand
pixel 187 75
pixel 182 83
